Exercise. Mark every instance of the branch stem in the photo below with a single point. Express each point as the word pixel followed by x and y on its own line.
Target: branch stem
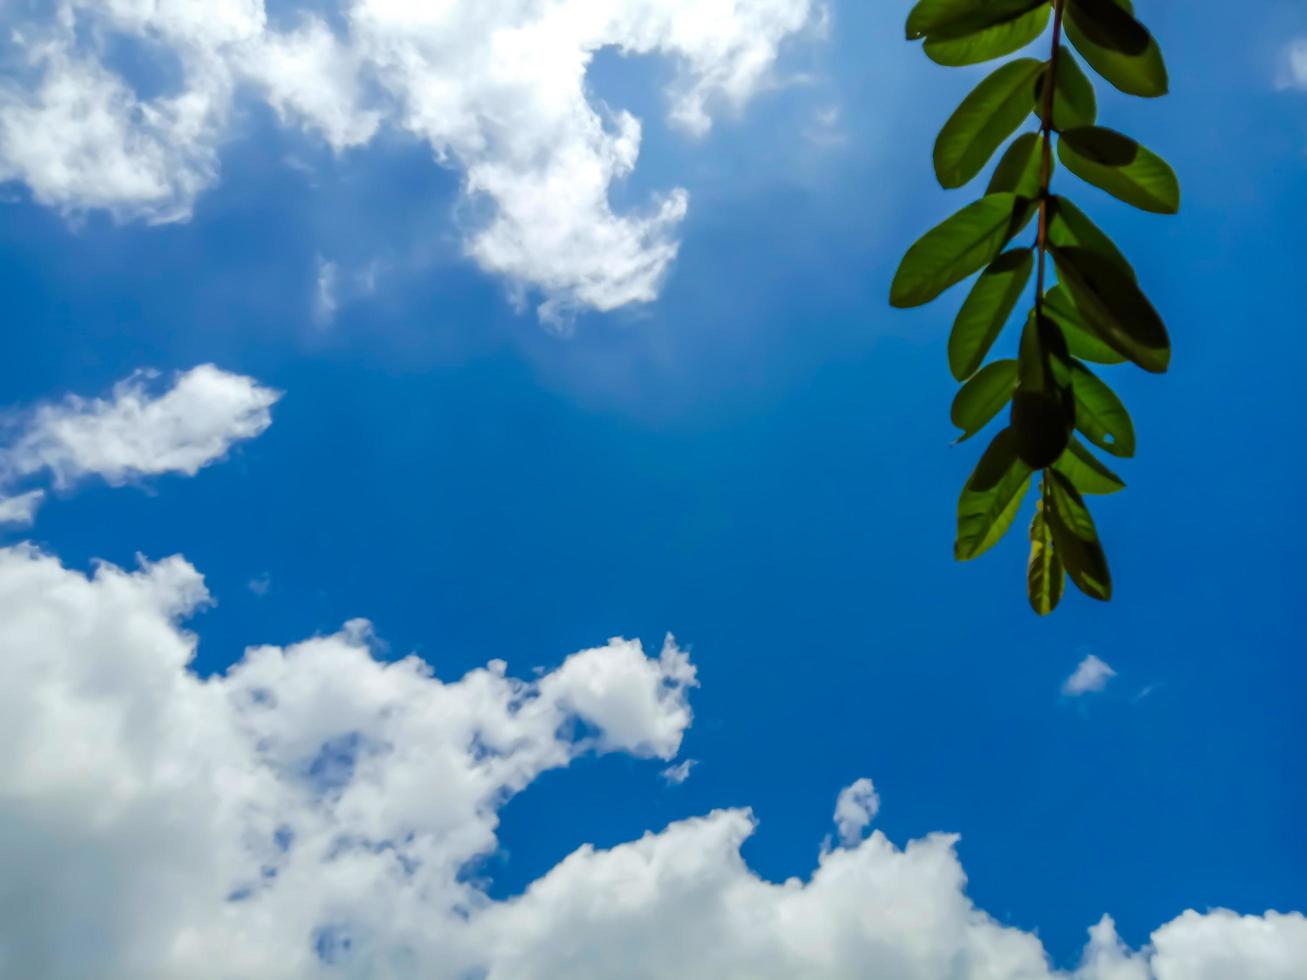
pixel 1046 145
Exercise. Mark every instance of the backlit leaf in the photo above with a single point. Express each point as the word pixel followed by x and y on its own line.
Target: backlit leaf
pixel 1085 471
pixel 1120 166
pixel 991 498
pixel 946 47
pixel 1068 225
pixel 1043 411
pixel 1045 576
pixel 1020 167
pixel 1114 307
pixel 1142 73
pixel 986 309
pixel 987 116
pixel 1074 103
pixel 1076 539
pixel 1100 415
pixel 1081 341
pixel 983 397
pixel 959 17
pixel 958 246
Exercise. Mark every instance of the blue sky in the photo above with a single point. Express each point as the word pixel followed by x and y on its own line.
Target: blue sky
pixel 757 461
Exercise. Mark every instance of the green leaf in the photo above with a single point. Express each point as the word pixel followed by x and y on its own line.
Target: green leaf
pixel 1110 26
pixel 1100 415
pixel 1020 167
pixel 986 309
pixel 991 498
pixel 1142 73
pixel 957 18
pixel 1120 166
pixel 1074 103
pixel 947 47
pixel 1068 225
pixel 958 246
pixel 1114 307
pixel 1076 539
pixel 1045 576
pixel 987 116
pixel 1043 410
pixel 1081 341
pixel 983 397
pixel 1085 471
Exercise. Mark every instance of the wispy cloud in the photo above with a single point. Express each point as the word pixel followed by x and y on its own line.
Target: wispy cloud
pixel 679 773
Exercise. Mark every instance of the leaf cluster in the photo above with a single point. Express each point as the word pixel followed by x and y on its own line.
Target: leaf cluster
pixel 1095 312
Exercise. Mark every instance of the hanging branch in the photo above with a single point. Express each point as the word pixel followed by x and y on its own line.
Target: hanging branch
pixel 1096 312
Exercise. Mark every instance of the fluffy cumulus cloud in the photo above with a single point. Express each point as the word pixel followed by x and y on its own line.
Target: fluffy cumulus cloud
pixel 855 808
pixel 316 811
pixel 496 88
pixel 1090 676
pixel 135 432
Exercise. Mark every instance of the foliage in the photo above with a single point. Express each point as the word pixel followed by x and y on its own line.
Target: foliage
pixel 1095 312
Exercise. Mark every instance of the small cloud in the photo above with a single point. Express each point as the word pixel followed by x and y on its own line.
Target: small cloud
pixel 679 773
pixel 324 298
pixel 855 809
pixel 1292 72
pixel 1147 691
pixel 1089 677
pixel 20 509
pixel 260 584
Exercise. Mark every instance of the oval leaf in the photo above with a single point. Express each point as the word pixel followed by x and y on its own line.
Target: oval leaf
pixel 1074 104
pixel 1120 166
pixel 1113 307
pixel 961 17
pixel 960 245
pixel 1142 74
pixel 1076 539
pixel 1100 415
pixel 986 310
pixel 991 498
pixel 1043 411
pixel 1045 576
pixel 1085 471
pixel 987 116
pixel 945 47
pixel 1020 167
pixel 1081 341
pixel 1068 225
pixel 983 397
pixel 1110 26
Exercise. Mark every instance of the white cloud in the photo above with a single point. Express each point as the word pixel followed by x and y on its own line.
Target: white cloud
pixel 1091 675
pixel 855 809
pixel 136 433
pixel 314 812
pixel 1293 67
pixel 496 88
pixel 20 508
pixel 324 298
pixel 679 773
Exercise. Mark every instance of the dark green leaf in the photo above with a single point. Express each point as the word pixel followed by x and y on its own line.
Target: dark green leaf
pixel 986 310
pixel 1043 410
pixel 987 116
pixel 957 247
pixel 1076 539
pixel 1120 166
pixel 956 18
pixel 1045 576
pixel 1100 415
pixel 1074 103
pixel 1110 26
pixel 1020 167
pixel 1085 471
pixel 1081 341
pixel 948 48
pixel 1068 225
pixel 1113 307
pixel 983 397
pixel 991 498
pixel 1142 73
